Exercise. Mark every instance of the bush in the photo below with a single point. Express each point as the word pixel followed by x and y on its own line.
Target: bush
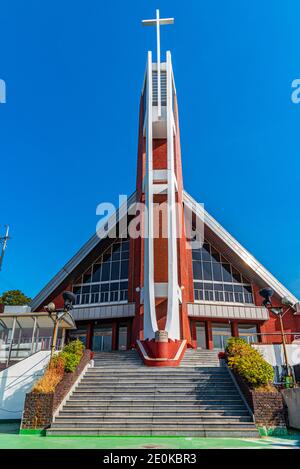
pixel 52 376
pixel 249 363
pixel 65 361
pixel 71 361
pixel 76 347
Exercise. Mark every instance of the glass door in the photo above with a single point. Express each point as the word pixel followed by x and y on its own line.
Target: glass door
pixel 201 335
pixel 122 342
pixel 102 339
pixel 221 333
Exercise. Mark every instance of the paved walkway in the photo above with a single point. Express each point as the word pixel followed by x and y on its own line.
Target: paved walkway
pixel 10 439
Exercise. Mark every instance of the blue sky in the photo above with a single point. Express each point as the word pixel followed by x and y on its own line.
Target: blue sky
pixel 68 132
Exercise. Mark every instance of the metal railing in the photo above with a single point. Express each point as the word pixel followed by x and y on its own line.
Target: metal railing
pixel 23 347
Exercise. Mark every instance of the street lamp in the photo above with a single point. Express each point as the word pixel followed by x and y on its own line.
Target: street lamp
pixel 267 294
pixel 57 316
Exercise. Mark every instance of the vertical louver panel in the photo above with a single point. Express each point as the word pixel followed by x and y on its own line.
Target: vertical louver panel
pixel 163 85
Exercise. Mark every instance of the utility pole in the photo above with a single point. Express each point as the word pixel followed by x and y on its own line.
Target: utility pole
pixel 3 242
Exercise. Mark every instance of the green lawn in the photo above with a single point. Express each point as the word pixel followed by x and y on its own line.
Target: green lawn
pixel 10 439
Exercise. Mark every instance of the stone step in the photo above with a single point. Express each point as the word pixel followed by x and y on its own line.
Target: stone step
pixel 249 432
pixel 141 423
pixel 165 371
pixel 135 391
pixel 86 411
pixel 210 387
pixel 156 399
pixel 155 406
pixel 150 417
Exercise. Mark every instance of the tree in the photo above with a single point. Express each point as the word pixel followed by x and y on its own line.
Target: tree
pixel 14 297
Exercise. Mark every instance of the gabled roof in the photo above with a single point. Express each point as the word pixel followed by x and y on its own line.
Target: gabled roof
pixel 214 232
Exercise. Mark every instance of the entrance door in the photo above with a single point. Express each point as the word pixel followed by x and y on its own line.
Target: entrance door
pixel 122 342
pixel 102 339
pixel 200 335
pixel 221 332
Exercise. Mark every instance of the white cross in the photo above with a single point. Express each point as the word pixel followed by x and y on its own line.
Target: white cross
pixel 157 22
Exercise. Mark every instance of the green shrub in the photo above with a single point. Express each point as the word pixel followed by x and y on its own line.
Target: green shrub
pixel 71 361
pixel 75 346
pixel 249 363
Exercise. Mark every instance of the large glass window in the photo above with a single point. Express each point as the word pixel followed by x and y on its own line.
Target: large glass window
pixel 221 333
pixel 215 279
pixel 106 280
pixel 248 332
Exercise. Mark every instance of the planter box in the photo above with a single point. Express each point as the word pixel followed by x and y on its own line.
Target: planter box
pixel 269 409
pixel 40 407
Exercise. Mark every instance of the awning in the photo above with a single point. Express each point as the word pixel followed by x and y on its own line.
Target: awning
pixel 223 311
pixel 27 320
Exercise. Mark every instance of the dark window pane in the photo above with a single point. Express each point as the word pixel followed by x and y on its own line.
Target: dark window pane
pixel 116 256
pixel 198 285
pixel 196 254
pixel 206 253
pixel 238 288
pixel 228 287
pixel 77 290
pixel 226 273
pixel 95 288
pixel 104 287
pixel 218 286
pixel 247 288
pixel 125 245
pixel 106 256
pixel 87 277
pixel 207 273
pixel 123 285
pixel 116 247
pixel 96 273
pixel 86 289
pixel 236 275
pixel 197 270
pixel 115 271
pixel 113 286
pixel 124 255
pixel 124 269
pixel 217 272
pixel 105 271
pixel 215 255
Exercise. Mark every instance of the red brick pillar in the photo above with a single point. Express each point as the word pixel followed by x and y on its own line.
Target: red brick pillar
pixel 89 336
pixel 209 337
pixel 114 336
pixel 234 329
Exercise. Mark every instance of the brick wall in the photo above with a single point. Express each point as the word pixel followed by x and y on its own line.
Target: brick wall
pixel 40 407
pixel 269 408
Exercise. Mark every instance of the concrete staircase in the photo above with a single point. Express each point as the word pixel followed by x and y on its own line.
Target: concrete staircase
pixel 200 357
pixel 121 396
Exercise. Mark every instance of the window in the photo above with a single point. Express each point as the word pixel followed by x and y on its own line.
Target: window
pixel 106 281
pixel 215 279
pixel 248 332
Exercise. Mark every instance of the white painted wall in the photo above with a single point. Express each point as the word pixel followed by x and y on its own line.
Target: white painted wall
pixel 273 354
pixel 17 380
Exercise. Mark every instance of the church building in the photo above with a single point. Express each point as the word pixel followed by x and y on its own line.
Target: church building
pixel 165 291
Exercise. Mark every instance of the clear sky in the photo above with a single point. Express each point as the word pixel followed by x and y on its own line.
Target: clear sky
pixel 68 132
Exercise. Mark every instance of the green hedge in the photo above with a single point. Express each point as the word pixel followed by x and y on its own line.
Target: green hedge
pixel 249 363
pixel 71 355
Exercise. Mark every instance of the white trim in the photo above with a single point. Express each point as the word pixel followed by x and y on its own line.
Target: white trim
pixel 172 322
pixel 150 321
pixel 146 357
